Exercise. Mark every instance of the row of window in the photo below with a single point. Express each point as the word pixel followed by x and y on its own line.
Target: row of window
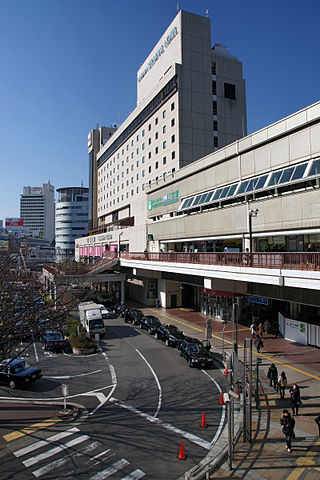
pixel 271 179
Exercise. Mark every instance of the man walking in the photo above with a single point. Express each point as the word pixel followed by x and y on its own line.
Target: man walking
pixel 287 424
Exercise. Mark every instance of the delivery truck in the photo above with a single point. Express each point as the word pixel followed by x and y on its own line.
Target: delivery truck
pixel 90 315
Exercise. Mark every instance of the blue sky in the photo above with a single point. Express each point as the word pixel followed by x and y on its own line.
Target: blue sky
pixel 67 65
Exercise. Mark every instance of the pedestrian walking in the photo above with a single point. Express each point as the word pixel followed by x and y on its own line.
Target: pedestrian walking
pixel 317 420
pixel 253 330
pixel 157 303
pixel 287 425
pixel 273 376
pixel 295 399
pixel 260 329
pixel 282 383
pixel 266 326
pixel 258 343
pixel 276 331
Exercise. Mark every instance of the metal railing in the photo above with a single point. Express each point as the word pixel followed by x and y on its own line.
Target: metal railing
pixel 285 260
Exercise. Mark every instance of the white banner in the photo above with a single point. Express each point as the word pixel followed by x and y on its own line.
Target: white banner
pixel 294 330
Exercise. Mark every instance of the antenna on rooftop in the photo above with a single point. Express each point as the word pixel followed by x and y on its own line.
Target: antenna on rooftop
pixel 207 13
pixel 81 183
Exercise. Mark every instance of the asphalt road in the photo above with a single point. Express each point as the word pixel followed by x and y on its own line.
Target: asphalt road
pixel 142 400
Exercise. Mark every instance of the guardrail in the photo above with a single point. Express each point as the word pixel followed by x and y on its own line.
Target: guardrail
pixel 285 260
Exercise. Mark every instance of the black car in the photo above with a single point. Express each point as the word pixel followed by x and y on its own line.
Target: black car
pixel 195 352
pixel 150 323
pixel 53 341
pixel 18 372
pixel 170 334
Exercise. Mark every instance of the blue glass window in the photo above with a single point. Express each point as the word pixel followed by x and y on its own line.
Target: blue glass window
pixel 286 175
pixel 315 169
pixel 299 171
pixel 275 178
pixel 243 186
pixel 261 181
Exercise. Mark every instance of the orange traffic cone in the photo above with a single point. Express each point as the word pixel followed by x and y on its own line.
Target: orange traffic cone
pixel 226 371
pixel 221 399
pixel 203 422
pixel 181 455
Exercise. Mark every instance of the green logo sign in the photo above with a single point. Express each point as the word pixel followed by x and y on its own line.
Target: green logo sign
pixel 166 199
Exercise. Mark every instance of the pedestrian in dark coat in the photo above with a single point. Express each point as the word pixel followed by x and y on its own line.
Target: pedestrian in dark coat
pixel 258 343
pixel 317 420
pixel 295 399
pixel 273 376
pixel 287 424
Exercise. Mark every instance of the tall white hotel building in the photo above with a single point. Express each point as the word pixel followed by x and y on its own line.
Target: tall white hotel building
pixel 190 101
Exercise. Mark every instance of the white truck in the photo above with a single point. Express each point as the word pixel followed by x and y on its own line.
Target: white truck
pixel 90 315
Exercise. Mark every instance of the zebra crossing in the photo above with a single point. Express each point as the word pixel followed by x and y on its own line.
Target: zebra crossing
pixel 84 455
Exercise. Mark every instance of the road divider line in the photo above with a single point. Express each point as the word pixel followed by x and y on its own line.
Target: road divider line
pixel 9 437
pixel 157 382
pixel 188 436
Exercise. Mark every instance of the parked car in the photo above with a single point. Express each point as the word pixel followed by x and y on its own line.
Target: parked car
pixel 195 352
pixel 18 372
pixel 135 315
pixel 53 341
pixel 149 323
pixel 170 334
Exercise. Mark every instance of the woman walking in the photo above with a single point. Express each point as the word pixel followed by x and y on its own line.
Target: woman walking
pixel 282 383
pixel 295 399
pixel 273 376
pixel 287 424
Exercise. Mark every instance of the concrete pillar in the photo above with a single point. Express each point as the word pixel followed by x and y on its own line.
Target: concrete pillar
pixel 122 293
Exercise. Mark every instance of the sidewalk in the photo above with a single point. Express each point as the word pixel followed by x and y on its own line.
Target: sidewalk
pixel 267 457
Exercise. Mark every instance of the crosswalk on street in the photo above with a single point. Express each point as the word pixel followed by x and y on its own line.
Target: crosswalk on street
pixel 70 454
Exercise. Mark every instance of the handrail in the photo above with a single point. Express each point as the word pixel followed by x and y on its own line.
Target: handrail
pixel 284 260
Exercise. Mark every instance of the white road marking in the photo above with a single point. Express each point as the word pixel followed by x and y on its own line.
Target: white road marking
pixel 223 412
pixel 157 382
pixel 62 461
pixel 107 472
pixel 43 443
pixel 66 377
pixel 188 436
pixel 55 450
pixel 103 399
pixel 35 352
pixel 134 475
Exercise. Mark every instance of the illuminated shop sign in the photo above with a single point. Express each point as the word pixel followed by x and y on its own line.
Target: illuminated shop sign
pixel 158 52
pixel 166 199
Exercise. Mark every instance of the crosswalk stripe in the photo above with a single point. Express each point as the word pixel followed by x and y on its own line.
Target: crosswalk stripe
pixel 61 461
pixel 107 472
pixel 9 437
pixel 43 443
pixel 54 451
pixel 134 475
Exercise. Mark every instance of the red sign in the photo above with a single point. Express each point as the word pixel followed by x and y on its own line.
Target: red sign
pixel 220 293
pixel 14 222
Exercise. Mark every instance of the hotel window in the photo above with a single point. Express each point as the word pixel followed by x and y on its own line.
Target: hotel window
pixel 127 194
pixel 214 108
pixel 149 155
pixel 131 167
pixel 131 179
pixel 156 135
pixel 143 173
pixel 164 114
pixel 157 178
pixel 138 163
pixel 230 91
pixel 149 127
pixel 149 141
pixel 213 68
pixel 156 150
pixel 156 121
pixel 137 189
pixel 215 125
pixel 143 146
pixel 143 133
pixel 131 192
pixel 127 183
pixel 214 87
pixel 137 176
pixel 173 155
pixel 164 160
pixel 137 151
pixel 164 129
pixel 173 170
pixel 137 138
pixel 172 106
pixel 164 145
pixel 132 155
pixel 142 159
pixel 173 139
pixel 172 122
pixel 131 143
pixel 215 141
pixel 149 169
pixel 127 171
pixel 143 186
pixel 121 197
pixel 157 165
pixel 122 163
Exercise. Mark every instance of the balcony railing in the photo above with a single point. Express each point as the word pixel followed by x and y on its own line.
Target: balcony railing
pixel 285 260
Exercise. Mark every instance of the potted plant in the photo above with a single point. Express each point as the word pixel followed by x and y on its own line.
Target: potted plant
pixel 82 344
